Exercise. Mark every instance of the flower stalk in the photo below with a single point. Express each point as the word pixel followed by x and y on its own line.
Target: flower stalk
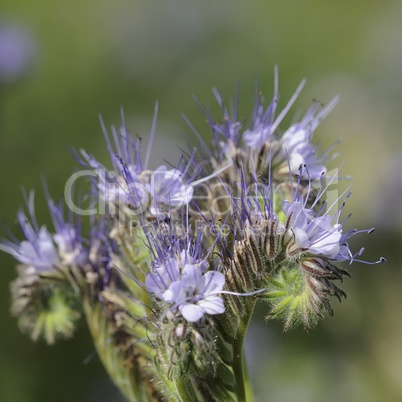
pixel 243 388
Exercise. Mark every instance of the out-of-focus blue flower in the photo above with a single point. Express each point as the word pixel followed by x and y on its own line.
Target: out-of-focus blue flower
pixel 255 138
pixel 16 52
pixel 115 189
pixel 262 144
pixel 132 184
pixel 42 251
pixel 67 237
pixel 226 133
pixel 261 122
pixel 167 187
pixel 295 144
pixel 38 252
pixel 124 185
pixel 69 247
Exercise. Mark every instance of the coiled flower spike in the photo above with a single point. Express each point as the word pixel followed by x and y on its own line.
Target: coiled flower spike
pixel 176 258
pixel 315 246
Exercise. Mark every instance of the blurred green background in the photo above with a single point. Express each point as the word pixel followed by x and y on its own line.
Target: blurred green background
pixel 93 57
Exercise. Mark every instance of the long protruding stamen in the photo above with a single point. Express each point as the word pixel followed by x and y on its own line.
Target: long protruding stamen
pixel 151 136
pixel 288 106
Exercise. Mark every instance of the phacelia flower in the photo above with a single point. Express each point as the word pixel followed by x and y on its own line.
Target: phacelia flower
pixel 42 251
pixel 188 289
pixel 314 228
pixel 296 148
pixel 181 275
pixel 196 293
pixel 38 252
pixel 261 130
pixel 70 246
pixel 312 234
pixel 159 280
pixel 132 185
pixel 262 121
pixel 167 187
pixel 125 185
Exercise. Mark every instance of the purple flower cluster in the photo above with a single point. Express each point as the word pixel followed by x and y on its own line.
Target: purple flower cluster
pixel 265 185
pixel 262 143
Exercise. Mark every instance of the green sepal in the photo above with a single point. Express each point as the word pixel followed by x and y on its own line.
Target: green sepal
pixel 219 392
pixel 224 348
pixel 225 375
pixel 230 320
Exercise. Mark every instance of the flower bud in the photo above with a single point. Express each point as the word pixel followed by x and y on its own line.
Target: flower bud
pixel 297 297
pixel 43 309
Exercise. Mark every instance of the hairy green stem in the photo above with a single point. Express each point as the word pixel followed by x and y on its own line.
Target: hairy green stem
pixel 107 351
pixel 243 390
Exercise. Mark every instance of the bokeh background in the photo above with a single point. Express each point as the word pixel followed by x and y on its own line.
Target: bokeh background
pixel 68 61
